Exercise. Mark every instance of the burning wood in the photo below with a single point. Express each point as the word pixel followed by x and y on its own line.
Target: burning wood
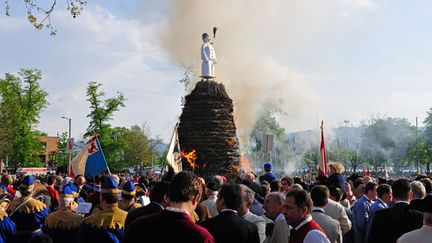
pixel 207 126
pixel 191 158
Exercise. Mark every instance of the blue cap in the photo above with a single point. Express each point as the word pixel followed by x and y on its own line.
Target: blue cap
pixel 109 186
pixel 267 166
pixel 67 192
pixel 129 188
pixel 27 182
pixel 3 187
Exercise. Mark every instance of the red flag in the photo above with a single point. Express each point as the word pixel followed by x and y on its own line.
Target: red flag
pixel 322 167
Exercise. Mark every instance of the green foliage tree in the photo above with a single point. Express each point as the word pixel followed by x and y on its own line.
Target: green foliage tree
pixel 427 139
pixel 139 148
pixel 101 111
pixel 22 101
pixel 113 140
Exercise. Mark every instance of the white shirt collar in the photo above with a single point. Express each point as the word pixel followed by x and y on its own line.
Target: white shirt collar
pixel 307 220
pixel 177 210
pixel 318 209
pixel 401 201
pixel 158 204
pixel 227 209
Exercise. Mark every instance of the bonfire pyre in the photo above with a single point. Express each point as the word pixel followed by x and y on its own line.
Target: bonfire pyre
pixel 207 132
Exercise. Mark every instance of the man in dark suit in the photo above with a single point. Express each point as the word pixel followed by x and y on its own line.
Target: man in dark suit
pixel 390 223
pixel 174 223
pixel 158 201
pixel 228 226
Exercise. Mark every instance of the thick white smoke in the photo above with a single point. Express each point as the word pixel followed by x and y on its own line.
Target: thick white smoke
pixel 251 45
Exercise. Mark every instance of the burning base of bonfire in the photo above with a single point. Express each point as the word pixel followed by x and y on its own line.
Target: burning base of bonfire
pixel 207 132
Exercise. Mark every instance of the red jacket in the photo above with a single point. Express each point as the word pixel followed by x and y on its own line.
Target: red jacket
pixel 299 235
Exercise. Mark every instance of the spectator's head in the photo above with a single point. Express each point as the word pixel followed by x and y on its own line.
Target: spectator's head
pixel 265 188
pixel 335 193
pixel 427 183
pixel 6 180
pixel 320 195
pixel 109 192
pixel 286 183
pixel 367 179
pixel 51 180
pixel 297 207
pixel 273 204
pixel 425 207
pixel 128 190
pixel 80 180
pixel 267 167
pixel 250 177
pixel 66 197
pixel 359 190
pixel 275 185
pixel 159 193
pixel 336 168
pixel 185 187
pixel 385 193
pixel 26 186
pixel 418 189
pixel 401 190
pixel 213 186
pixel 229 197
pixel 248 198
pixel 371 190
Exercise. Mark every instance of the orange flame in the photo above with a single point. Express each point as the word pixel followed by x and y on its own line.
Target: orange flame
pixel 231 142
pixel 245 164
pixel 191 158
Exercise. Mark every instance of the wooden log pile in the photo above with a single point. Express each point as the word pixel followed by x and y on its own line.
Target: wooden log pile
pixel 207 126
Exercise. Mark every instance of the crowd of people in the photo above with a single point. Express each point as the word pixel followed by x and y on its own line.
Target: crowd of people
pixel 183 207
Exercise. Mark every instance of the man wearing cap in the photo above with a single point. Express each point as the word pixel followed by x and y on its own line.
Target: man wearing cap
pixel 128 202
pixel 27 213
pixel 106 225
pixel 268 176
pixel 424 234
pixel 208 57
pixel 63 224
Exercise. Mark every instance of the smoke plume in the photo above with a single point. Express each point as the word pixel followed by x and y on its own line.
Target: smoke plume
pixel 251 47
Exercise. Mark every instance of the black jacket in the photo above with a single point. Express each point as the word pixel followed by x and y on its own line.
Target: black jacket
pixel 151 208
pixel 391 223
pixel 228 227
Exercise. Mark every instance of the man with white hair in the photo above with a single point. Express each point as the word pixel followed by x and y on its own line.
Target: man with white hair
pixel 243 211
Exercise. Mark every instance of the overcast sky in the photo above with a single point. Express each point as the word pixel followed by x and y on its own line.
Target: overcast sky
pixel 357 58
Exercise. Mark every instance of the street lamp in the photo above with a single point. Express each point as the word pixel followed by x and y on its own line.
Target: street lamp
pixel 69 141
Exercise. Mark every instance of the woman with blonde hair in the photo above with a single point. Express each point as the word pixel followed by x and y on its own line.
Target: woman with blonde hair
pixel 336 178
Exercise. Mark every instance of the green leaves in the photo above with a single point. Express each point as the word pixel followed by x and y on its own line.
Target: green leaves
pixel 22 101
